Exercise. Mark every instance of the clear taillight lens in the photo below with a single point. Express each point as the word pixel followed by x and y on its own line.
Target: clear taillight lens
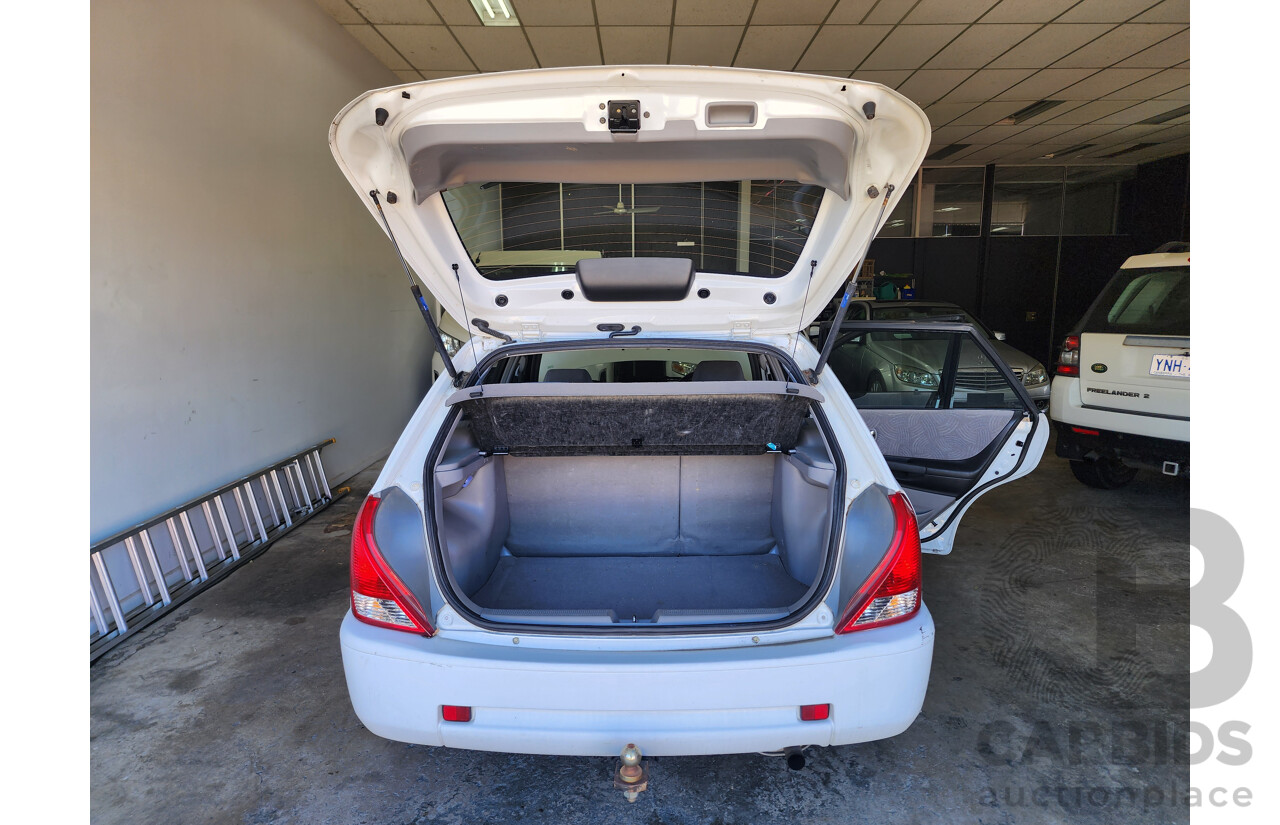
pixel 378 597
pixel 892 593
pixel 1069 357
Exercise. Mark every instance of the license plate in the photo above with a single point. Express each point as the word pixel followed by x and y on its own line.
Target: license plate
pixel 1179 366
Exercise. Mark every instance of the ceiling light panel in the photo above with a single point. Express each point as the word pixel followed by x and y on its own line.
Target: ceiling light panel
pixel 495 12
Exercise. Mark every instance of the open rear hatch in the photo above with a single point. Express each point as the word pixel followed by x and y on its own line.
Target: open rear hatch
pixel 505 191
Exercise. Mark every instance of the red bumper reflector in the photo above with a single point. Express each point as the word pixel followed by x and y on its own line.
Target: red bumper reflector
pixel 814 713
pixel 456 713
pixel 1083 431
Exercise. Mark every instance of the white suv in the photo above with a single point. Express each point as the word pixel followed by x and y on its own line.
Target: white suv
pixel 1122 393
pixel 643 512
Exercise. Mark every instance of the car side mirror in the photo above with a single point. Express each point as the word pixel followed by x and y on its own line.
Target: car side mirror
pixel 999 336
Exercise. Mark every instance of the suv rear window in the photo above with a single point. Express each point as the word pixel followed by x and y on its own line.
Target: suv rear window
pixel 1152 301
pixel 523 230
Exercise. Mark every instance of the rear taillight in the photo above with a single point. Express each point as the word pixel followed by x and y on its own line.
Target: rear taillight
pixel 892 593
pixel 1069 357
pixel 378 597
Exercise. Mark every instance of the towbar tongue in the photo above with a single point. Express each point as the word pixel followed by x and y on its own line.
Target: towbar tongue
pixel 632 774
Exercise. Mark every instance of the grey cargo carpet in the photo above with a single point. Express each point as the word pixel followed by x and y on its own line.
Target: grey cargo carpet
pixel 639 586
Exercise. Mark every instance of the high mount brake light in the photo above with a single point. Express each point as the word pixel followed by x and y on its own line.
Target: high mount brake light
pixel 892 593
pixel 1069 357
pixel 378 597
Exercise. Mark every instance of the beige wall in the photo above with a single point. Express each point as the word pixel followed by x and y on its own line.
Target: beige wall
pixel 244 304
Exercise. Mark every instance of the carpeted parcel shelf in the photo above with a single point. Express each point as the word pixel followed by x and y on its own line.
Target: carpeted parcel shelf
pixel 670 418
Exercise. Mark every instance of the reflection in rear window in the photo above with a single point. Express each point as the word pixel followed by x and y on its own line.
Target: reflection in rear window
pixel 520 230
pixel 1152 301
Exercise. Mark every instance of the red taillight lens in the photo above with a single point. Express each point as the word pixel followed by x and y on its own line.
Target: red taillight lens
pixel 378 597
pixel 1069 357
pixel 814 713
pixel 455 713
pixel 892 593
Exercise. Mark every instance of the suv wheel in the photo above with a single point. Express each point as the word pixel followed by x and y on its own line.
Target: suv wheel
pixel 1103 473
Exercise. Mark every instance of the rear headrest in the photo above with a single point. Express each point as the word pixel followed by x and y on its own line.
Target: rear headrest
pixel 578 376
pixel 718 371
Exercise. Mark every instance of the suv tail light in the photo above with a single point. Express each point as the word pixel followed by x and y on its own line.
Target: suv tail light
pixel 1069 357
pixel 892 593
pixel 378 597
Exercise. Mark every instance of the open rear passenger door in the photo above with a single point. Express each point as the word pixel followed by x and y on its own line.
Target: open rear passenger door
pixel 949 416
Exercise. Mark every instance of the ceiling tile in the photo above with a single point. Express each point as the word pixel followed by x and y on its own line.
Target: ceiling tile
pixel 1171 52
pixel 980 44
pixel 1183 94
pixel 565 45
pixel 498 48
pixel 635 44
pixel 1140 112
pixel 947 135
pixel 842 46
pixel 1100 84
pixel 848 11
pixel 1084 134
pixel 929 85
pixel 428 47
pixel 889 11
pixel 460 12
pixel 705 45
pixel 989 113
pixel 943 114
pixel 1027 11
pixel 1048 44
pixel 437 75
pixel 1181 132
pixel 1156 85
pixel 909 47
pixel 986 84
pixel 998 132
pixel 892 79
pixel 553 12
pixel 1105 11
pixel 774 47
pixel 1119 43
pixel 790 12
pixel 1170 11
pixel 341 11
pixel 374 42
pixel 409 75
pixel 948 11
pixel 712 12
pixel 1090 112
pixel 396 11
pixel 1042 132
pixel 631 13
pixel 1045 83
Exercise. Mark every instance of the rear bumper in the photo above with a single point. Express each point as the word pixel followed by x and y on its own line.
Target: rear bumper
pixel 1067 407
pixel 1135 449
pixel 670 703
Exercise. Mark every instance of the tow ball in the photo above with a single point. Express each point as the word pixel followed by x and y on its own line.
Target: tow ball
pixel 632 775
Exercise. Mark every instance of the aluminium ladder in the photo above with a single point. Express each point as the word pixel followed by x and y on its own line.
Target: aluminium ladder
pixel 140 574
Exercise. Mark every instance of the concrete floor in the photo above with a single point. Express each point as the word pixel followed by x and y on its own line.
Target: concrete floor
pixel 1059 692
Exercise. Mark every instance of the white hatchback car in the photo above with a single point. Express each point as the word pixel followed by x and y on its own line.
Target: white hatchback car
pixel 643 512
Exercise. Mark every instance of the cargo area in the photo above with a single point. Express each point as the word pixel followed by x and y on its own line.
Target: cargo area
pixel 647 503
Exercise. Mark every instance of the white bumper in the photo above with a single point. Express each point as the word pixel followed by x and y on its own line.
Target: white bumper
pixel 1067 407
pixel 670 703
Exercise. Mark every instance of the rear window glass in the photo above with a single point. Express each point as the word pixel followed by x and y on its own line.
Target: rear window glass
pixel 522 230
pixel 626 365
pixel 1151 301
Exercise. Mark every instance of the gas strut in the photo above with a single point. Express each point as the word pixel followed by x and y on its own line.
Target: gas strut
pixel 417 294
pixel 844 301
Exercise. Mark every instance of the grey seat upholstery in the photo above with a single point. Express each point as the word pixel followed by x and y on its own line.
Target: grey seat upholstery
pixel 568 376
pixel 718 371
